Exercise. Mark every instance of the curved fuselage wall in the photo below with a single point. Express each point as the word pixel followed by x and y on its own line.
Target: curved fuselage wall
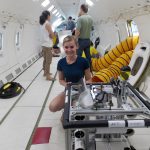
pixel 114 29
pixel 111 33
pixel 108 35
pixel 143 23
pixel 14 53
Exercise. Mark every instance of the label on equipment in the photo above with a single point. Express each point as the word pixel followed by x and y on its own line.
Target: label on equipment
pixel 117 123
pixel 66 99
pixel 136 123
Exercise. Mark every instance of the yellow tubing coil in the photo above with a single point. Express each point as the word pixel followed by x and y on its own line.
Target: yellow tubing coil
pixel 124 46
pixel 135 41
pixel 113 70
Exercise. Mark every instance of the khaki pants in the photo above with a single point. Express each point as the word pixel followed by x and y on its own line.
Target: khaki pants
pixel 47 55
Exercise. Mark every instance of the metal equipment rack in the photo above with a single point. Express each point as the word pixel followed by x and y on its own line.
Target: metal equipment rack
pixel 117 107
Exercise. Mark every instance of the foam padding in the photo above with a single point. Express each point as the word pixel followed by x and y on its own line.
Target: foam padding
pixel 41 135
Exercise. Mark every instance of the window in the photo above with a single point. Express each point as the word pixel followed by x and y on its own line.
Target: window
pixel 1 41
pixel 17 40
pixel 132 28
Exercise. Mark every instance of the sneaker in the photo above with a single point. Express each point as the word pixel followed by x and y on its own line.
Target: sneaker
pixel 49 78
pixel 45 74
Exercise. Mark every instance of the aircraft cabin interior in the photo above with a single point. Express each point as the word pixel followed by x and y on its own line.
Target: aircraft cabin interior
pixel 74 75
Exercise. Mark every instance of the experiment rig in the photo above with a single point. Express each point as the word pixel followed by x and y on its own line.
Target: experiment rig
pixel 102 116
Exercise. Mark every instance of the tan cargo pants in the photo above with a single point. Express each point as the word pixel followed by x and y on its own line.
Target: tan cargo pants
pixel 47 55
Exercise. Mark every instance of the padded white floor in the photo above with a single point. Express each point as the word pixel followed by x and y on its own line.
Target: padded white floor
pixel 19 115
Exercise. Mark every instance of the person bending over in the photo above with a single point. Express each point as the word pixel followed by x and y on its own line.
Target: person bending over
pixel 70 70
pixel 70 24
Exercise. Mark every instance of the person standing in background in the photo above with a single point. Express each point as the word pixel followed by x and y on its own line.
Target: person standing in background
pixel 82 32
pixel 70 24
pixel 47 43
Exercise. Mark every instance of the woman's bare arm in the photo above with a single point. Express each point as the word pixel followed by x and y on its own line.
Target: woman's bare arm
pixel 62 79
pixel 49 29
pixel 88 76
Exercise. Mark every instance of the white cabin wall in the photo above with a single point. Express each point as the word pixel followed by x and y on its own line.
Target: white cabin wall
pixel 143 23
pixel 3 53
pixel 8 58
pixel 121 25
pixel 30 44
pixel 108 35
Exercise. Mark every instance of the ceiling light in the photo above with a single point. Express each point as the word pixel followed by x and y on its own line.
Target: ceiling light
pixel 54 11
pixel 45 3
pixel 51 8
pixel 56 23
pixel 57 13
pixel 89 2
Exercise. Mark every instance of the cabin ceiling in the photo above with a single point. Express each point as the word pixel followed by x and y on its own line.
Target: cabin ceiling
pixel 70 8
pixel 102 9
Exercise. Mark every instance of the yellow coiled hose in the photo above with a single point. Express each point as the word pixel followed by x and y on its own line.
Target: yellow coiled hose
pixel 113 70
pixel 124 46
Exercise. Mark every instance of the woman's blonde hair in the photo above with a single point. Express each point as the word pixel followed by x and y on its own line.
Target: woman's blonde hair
pixel 69 38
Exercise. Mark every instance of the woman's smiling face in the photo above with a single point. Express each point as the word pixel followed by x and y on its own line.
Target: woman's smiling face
pixel 70 48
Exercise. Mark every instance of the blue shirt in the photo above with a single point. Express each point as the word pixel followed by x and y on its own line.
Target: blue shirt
pixel 70 25
pixel 75 71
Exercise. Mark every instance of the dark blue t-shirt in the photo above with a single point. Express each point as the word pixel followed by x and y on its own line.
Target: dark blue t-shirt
pixel 73 72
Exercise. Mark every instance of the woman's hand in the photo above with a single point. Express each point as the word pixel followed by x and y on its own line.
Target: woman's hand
pixel 67 84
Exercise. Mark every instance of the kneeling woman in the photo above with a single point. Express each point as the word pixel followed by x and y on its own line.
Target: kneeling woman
pixel 70 70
